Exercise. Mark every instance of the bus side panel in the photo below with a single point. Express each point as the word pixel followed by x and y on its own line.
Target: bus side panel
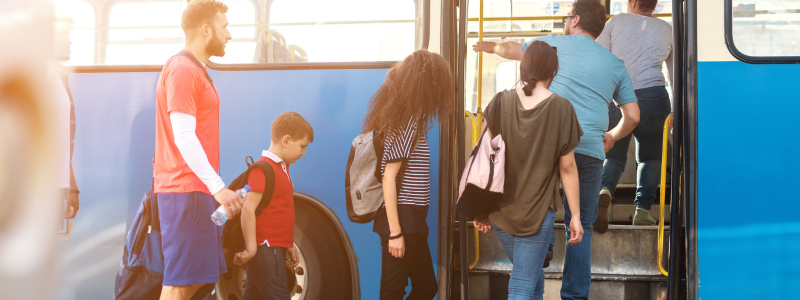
pixel 334 103
pixel 115 115
pixel 748 225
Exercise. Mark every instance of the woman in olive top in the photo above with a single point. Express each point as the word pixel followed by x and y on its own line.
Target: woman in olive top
pixel 540 130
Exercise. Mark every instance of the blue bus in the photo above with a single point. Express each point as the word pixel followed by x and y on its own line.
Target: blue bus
pixel 737 64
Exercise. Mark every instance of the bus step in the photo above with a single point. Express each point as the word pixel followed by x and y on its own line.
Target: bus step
pixel 624 249
pixel 485 285
pixel 623 213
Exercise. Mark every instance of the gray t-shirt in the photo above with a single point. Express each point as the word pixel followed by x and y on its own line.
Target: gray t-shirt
pixel 643 44
pixel 535 140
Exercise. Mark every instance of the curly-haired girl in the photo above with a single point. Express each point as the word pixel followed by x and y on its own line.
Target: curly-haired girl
pixel 417 92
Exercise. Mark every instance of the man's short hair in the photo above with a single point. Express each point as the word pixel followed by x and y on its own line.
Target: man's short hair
pixel 593 16
pixel 647 5
pixel 291 124
pixel 199 12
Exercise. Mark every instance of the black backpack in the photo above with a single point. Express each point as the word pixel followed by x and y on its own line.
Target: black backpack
pixel 232 236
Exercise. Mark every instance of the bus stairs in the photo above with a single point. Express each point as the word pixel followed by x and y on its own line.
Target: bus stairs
pixel 623 261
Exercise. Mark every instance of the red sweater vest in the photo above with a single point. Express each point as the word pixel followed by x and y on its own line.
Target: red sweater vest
pixel 275 224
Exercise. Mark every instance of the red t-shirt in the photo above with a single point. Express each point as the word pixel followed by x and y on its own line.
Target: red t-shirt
pixel 275 224
pixel 183 87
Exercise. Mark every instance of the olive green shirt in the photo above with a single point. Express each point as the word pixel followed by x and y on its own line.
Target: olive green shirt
pixel 535 140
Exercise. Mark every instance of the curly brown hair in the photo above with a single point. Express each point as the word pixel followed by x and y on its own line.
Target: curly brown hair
pixel 420 87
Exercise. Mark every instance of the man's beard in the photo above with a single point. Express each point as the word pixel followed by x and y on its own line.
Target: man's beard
pixel 566 32
pixel 215 47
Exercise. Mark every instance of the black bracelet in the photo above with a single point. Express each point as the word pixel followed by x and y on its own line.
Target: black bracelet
pixel 393 237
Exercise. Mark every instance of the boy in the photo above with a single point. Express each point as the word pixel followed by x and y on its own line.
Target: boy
pixel 269 237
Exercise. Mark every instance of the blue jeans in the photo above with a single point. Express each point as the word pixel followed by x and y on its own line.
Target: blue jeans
pixel 527 254
pixel 578 258
pixel 654 107
pixel 266 275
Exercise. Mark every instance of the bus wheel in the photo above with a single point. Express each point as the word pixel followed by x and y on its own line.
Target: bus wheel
pixel 327 271
pixel 323 272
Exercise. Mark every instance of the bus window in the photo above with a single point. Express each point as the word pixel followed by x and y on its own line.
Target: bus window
pixel 82 35
pixel 150 32
pixel 347 31
pixel 507 76
pixel 663 7
pixel 766 28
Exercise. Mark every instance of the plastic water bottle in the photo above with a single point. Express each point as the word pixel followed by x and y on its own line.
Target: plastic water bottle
pixel 219 216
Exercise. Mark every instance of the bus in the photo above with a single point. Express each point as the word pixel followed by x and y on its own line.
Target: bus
pixel 737 63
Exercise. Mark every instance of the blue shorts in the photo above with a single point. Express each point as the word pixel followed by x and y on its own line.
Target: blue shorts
pixel 190 241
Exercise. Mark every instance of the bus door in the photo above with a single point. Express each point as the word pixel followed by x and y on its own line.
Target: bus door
pixel 322 59
pixel 627 258
pixel 743 238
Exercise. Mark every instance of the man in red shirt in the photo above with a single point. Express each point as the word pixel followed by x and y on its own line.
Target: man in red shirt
pixel 269 237
pixel 186 165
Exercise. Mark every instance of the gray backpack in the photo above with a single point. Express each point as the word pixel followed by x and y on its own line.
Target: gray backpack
pixel 363 180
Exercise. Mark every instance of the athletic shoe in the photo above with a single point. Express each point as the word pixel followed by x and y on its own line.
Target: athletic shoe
pixel 643 218
pixel 601 224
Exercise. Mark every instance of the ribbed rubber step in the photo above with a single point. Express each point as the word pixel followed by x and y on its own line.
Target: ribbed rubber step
pixel 623 213
pixel 485 285
pixel 624 249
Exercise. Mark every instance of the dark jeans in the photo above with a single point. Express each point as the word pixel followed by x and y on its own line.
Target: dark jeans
pixel 654 107
pixel 416 265
pixel 578 258
pixel 266 275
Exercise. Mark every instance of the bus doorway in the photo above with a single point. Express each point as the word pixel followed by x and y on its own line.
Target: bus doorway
pixel 628 262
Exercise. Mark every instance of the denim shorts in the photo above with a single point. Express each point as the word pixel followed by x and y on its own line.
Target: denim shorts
pixel 190 241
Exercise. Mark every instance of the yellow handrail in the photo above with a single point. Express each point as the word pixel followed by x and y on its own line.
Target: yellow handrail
pixel 542 18
pixel 474 140
pixel 480 67
pixel 663 195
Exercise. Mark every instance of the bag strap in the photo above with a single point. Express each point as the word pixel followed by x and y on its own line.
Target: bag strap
pixel 496 113
pixel 196 62
pixel 269 184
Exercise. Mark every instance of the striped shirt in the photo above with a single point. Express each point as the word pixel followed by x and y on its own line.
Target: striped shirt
pixel 416 186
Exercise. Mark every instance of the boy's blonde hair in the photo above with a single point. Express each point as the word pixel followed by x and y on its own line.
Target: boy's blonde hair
pixel 293 125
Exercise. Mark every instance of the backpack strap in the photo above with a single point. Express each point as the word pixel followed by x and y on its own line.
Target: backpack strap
pixel 196 62
pixel 269 184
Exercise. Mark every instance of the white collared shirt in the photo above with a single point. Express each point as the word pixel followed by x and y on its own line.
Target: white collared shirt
pixel 277 160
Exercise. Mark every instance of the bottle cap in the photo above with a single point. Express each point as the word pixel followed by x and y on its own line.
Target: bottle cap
pixel 247 187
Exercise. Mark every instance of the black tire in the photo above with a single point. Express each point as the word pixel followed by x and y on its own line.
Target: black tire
pixel 327 266
pixel 324 252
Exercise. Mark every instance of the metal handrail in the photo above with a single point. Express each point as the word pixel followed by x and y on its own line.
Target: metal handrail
pixel 662 190
pixel 541 18
pixel 474 140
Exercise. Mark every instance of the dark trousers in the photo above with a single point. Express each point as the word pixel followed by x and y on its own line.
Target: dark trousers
pixel 654 108
pixel 266 275
pixel 416 265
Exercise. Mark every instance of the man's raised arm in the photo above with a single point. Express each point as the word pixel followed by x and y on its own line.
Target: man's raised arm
pixel 507 50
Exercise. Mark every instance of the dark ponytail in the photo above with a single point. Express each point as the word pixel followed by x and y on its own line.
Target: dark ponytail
pixel 540 62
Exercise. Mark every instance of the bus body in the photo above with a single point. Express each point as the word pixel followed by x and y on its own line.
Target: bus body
pixel 116 141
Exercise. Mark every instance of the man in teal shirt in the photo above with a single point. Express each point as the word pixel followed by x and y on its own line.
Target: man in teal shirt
pixel 589 77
